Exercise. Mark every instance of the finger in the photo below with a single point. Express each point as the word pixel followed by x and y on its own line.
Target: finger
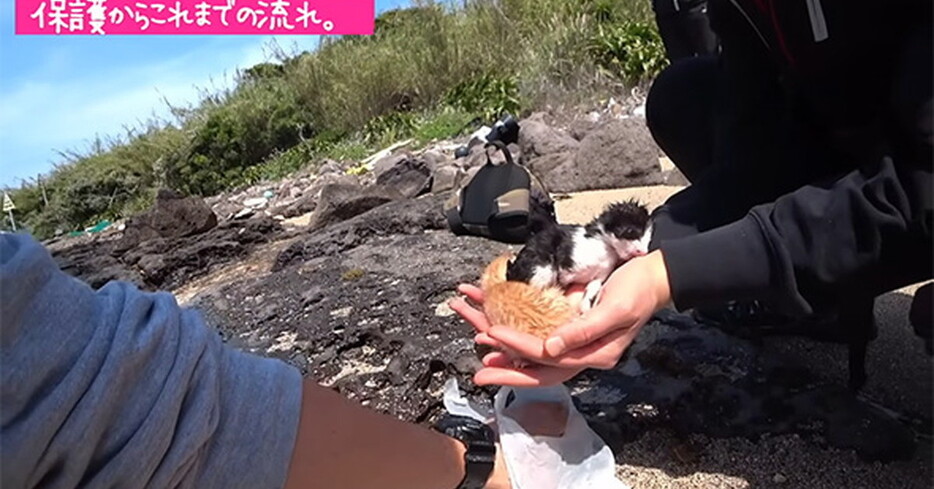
pixel 523 344
pixel 598 322
pixel 473 292
pixel 537 376
pixel 497 359
pixel 603 353
pixel 474 316
pixel 485 339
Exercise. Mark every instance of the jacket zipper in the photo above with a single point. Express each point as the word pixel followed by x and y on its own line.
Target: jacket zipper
pixel 818 22
pixel 677 5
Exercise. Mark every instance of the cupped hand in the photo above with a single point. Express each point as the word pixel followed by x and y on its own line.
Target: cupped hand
pixel 499 368
pixel 597 339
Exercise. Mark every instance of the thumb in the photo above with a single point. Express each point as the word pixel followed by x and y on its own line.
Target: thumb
pixel 600 321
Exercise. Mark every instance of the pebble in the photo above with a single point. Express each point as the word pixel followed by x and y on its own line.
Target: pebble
pixel 342 312
pixel 444 310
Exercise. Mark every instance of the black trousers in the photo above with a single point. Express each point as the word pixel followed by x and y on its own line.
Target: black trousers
pixel 686 33
pixel 734 167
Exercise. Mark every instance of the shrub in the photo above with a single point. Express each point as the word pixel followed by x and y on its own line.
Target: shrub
pixel 259 119
pixel 448 122
pixel 632 50
pixel 487 96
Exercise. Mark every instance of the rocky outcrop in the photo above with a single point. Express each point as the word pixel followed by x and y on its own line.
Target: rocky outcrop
pixel 411 177
pixel 361 306
pixel 306 200
pixel 166 263
pixel 537 138
pixel 618 154
pixel 447 178
pixel 401 217
pixel 615 154
pixel 338 202
pixel 171 216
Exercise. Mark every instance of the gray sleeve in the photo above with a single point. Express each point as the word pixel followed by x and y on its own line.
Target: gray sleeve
pixel 121 388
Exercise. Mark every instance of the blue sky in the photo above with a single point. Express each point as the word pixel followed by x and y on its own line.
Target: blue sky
pixel 58 92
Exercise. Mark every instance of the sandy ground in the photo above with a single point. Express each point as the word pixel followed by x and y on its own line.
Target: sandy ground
pixel 900 378
pixel 580 207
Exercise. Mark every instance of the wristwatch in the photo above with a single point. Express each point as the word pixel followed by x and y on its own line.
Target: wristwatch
pixel 480 441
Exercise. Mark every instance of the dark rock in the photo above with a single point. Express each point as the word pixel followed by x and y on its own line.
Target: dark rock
pixel 446 178
pixel 480 155
pixel 411 177
pixel 397 369
pixel 536 138
pixel 467 364
pixel 338 202
pixel 516 152
pixel 385 163
pixel 309 199
pixel 303 205
pixel 580 128
pixel 618 154
pixel 162 263
pixel 400 217
pixel 690 378
pixel 476 157
pixel 312 296
pixel 434 159
pixel 171 216
pixel 544 165
pixel 329 179
pixel 402 352
pixel 95 265
pixel 329 166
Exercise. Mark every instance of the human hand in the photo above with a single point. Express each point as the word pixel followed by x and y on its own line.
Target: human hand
pixel 597 339
pixel 499 368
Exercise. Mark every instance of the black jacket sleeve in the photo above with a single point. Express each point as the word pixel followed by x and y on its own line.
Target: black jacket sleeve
pixel 824 238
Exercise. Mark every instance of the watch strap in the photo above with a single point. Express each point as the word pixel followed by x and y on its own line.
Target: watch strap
pixel 480 443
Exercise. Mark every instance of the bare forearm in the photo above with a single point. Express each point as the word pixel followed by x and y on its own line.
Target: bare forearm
pixel 344 445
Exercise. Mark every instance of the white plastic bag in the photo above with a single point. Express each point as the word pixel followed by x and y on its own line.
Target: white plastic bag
pixel 577 458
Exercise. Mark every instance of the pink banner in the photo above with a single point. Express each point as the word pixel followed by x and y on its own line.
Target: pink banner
pixel 106 17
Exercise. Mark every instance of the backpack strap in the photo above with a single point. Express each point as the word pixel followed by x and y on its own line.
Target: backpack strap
pixel 502 147
pixel 494 201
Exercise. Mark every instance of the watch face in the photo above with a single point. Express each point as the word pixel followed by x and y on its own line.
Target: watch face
pixel 462 427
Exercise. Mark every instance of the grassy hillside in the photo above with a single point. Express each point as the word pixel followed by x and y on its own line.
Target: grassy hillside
pixel 429 72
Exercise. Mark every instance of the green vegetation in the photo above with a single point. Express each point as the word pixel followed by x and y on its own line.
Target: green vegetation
pixel 430 72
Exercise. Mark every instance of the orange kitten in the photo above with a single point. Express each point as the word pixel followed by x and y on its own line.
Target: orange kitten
pixel 532 310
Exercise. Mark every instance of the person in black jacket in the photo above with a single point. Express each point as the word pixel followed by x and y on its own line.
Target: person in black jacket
pixel 808 142
pixel 684 28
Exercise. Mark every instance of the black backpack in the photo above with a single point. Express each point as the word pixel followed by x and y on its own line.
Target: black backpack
pixel 501 201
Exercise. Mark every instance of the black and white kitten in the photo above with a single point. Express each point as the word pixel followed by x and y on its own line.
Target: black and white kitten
pixel 562 255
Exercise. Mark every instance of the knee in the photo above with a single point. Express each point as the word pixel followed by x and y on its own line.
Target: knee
pixel 680 94
pixel 657 106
